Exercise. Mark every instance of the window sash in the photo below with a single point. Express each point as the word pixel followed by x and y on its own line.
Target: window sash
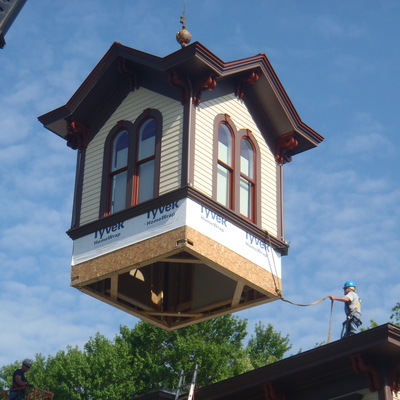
pixel 147 139
pixel 118 191
pixel 225 145
pixel 120 151
pixel 145 177
pixel 224 185
pixel 246 197
pixel 247 158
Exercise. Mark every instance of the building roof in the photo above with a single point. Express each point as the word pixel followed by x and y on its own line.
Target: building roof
pixel 369 360
pixel 184 74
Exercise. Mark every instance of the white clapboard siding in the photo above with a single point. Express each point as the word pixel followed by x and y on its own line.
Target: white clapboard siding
pixel 130 109
pixel 171 153
pixel 240 116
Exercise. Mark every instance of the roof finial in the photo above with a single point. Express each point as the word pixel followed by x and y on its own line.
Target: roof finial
pixel 183 36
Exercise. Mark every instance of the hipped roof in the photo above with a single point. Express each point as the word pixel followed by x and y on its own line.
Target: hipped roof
pixel 193 62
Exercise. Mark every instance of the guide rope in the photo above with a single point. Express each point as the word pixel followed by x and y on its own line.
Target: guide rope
pixel 279 292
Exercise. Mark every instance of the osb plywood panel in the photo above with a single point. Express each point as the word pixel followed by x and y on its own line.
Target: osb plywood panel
pixel 162 246
pixel 135 255
pixel 234 265
pixel 130 109
pixel 240 116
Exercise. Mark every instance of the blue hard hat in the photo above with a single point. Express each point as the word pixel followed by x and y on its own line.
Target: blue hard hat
pixel 349 284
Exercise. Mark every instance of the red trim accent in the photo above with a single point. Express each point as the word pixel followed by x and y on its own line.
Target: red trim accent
pixel 125 69
pixel 271 393
pixel 179 59
pixel 175 79
pixel 78 134
pixel 251 79
pixel 209 83
pixel 395 378
pixel 284 144
pixel 370 372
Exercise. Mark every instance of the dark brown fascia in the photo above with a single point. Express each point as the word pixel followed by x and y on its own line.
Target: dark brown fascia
pixel 259 63
pixel 194 59
pixel 377 344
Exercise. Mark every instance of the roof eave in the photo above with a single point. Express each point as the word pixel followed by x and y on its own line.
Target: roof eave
pixel 381 342
pixel 198 56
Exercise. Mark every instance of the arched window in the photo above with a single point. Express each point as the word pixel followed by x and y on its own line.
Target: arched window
pixel 225 165
pixel 144 171
pixel 119 172
pixel 247 178
pixel 131 163
pixel 236 176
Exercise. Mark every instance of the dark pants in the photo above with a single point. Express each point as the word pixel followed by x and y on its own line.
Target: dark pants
pixel 351 325
pixel 17 394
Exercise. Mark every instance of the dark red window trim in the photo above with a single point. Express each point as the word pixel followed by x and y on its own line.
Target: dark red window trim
pixel 133 130
pixel 237 136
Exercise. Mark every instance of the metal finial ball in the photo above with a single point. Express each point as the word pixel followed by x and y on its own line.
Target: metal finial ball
pixel 183 37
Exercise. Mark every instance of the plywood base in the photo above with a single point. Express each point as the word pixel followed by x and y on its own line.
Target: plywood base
pixel 176 279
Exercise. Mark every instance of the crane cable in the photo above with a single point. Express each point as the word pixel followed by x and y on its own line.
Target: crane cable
pixel 279 292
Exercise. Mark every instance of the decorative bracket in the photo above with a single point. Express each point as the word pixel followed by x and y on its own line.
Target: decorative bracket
pixel 283 146
pixel 78 134
pixel 209 83
pixel 175 79
pixel 251 79
pixel 395 377
pixel 370 372
pixel 271 392
pixel 124 69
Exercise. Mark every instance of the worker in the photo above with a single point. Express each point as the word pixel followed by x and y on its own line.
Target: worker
pixel 20 383
pixel 352 308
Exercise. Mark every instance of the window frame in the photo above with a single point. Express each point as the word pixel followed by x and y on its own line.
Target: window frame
pixel 250 181
pixel 132 178
pixel 229 168
pixel 114 172
pixel 237 137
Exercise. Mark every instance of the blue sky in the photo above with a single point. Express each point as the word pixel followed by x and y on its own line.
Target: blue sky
pixel 339 62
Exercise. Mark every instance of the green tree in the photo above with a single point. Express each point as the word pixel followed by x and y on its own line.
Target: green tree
pixel 396 314
pixel 145 357
pixel 6 373
pixel 394 318
pixel 66 374
pixel 266 346
pixel 107 363
pixel 217 345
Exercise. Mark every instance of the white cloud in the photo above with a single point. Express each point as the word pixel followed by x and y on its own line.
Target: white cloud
pixel 331 26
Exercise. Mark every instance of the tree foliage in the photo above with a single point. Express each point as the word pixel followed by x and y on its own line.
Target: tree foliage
pixel 145 358
pixel 266 346
pixel 394 318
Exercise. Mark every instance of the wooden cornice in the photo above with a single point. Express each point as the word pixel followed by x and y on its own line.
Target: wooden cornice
pixel 250 79
pixel 395 377
pixel 284 144
pixel 78 134
pixel 179 81
pixel 125 68
pixel 271 392
pixel 207 83
pixel 371 373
